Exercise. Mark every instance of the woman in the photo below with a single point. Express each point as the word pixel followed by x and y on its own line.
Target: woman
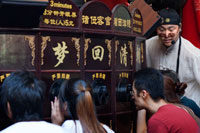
pixel 75 101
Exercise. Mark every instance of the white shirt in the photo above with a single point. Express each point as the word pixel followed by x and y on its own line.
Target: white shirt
pixel 160 57
pixel 33 127
pixel 69 126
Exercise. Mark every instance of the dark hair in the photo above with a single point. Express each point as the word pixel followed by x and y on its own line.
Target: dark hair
pixel 55 88
pixel 178 87
pixel 76 93
pixel 150 80
pixel 24 92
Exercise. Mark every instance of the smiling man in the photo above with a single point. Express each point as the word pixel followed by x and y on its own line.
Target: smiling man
pixel 168 50
pixel 148 94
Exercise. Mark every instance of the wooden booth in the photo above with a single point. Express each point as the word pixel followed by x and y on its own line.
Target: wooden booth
pixel 93 43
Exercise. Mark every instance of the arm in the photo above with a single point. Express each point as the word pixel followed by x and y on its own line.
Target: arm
pixel 141 121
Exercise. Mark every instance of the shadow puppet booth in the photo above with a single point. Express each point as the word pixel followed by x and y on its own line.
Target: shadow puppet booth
pixel 93 43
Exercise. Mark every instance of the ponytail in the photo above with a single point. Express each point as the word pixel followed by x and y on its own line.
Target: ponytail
pixel 86 113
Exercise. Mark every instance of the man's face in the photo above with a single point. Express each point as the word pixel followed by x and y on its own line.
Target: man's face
pixel 167 33
pixel 138 100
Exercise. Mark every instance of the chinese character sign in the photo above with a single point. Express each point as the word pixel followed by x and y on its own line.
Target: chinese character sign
pixel 60 52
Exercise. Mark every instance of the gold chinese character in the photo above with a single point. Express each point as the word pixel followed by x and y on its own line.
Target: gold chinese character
pixel 100 20
pixel 67 76
pixel 55 13
pixel 62 13
pixel 60 23
pixel 63 75
pixel 128 23
pixel 60 52
pixel 93 20
pixel 124 23
pixel 58 76
pixel 66 22
pixel 52 21
pixel 85 19
pixel 115 21
pixel 119 21
pixel 67 14
pixel 123 55
pixel 104 76
pixel 108 19
pixel 74 15
pixel 93 76
pixel 71 23
pixel 46 21
pixel 98 53
pixel 53 77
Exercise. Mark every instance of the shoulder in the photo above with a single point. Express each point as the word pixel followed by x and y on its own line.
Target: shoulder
pixel 107 129
pixel 72 126
pixel 190 48
pixel 153 43
pixel 39 127
pixel 152 40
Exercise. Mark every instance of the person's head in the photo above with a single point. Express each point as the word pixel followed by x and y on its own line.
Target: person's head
pixel 173 88
pixel 170 27
pixel 22 96
pixel 76 95
pixel 55 88
pixel 147 82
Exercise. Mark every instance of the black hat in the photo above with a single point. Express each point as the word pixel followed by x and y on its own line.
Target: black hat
pixel 169 16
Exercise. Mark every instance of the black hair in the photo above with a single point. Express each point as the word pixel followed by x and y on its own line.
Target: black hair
pixel 151 80
pixel 55 88
pixel 25 93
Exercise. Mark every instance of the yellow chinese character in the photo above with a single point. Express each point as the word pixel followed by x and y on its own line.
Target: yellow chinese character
pixel 62 13
pixel 66 22
pixel 67 14
pixel 104 76
pixel 100 20
pixel 85 19
pixel 93 20
pixel 7 74
pixel 124 23
pixel 74 15
pixel 120 75
pixel 49 12
pixel 58 75
pixel 67 76
pixel 97 75
pixel 128 23
pixel 55 13
pixel 53 21
pixel 98 53
pixel 63 75
pixel 45 12
pixel 60 52
pixel 2 77
pixel 53 77
pixel 46 21
pixel 71 23
pixel 60 23
pixel 108 19
pixel 123 55
pixel 93 76
pixel 100 75
pixel 115 21
pixel 119 21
